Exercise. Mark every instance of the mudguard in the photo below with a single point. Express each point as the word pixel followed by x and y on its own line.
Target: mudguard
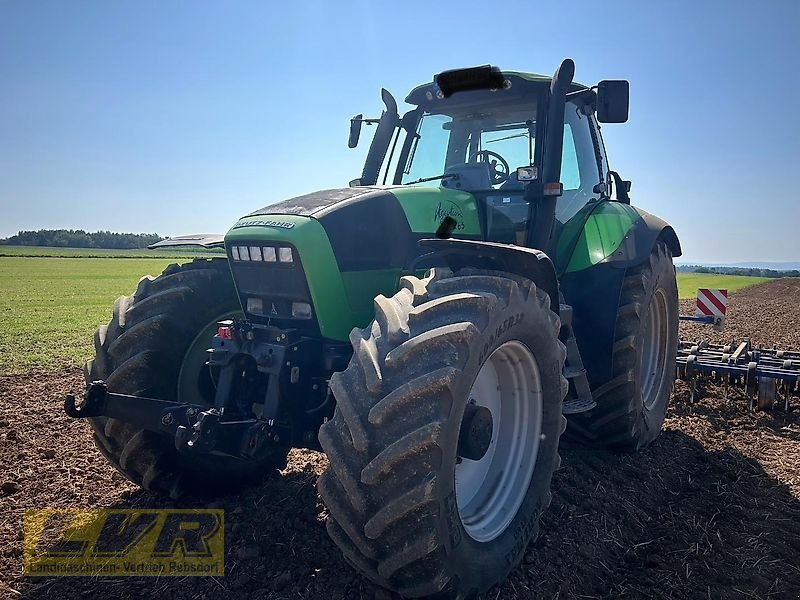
pixel 204 240
pixel 608 232
pixel 526 262
pixel 639 241
pixel 594 290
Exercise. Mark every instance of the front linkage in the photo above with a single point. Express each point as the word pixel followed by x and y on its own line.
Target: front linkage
pixel 248 417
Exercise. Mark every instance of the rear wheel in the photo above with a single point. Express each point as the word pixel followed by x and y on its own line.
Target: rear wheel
pixel 632 405
pixel 155 346
pixel 445 436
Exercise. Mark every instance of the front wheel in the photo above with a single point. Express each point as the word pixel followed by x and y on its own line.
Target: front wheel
pixel 445 435
pixel 155 345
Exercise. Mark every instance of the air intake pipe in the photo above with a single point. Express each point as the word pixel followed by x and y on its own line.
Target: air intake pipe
pixel 542 203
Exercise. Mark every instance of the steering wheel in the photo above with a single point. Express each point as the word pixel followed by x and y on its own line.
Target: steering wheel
pixel 498 175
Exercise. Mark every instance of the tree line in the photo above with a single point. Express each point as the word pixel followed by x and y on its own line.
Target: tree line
pixel 78 238
pixel 751 272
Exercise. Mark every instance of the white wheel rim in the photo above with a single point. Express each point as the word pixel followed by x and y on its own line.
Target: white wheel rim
pixel 490 491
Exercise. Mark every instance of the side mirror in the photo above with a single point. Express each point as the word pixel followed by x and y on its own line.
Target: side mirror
pixel 355 130
pixel 612 101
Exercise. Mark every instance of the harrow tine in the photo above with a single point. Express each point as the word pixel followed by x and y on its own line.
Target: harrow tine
pixel 751 382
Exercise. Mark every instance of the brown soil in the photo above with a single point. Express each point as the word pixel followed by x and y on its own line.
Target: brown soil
pixel 710 510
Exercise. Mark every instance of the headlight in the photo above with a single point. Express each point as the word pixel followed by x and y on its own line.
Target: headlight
pixel 255 306
pixel 285 255
pixel 271 254
pixel 301 310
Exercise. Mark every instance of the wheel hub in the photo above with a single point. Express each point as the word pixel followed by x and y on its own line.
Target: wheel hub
pixel 476 432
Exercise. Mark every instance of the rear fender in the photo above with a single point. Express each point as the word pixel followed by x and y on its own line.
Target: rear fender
pixel 611 233
pixel 594 292
pixel 525 262
pixel 641 239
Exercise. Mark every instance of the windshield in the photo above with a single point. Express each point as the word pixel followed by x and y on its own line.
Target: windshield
pixel 461 136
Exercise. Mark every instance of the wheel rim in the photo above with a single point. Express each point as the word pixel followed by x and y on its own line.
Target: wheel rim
pixel 654 349
pixel 490 491
pixel 194 380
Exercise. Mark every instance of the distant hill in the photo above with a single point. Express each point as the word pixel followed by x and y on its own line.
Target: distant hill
pixel 736 270
pixel 78 238
pixel 774 266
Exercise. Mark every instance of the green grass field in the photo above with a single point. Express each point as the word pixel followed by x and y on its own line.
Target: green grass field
pixel 689 282
pixel 50 307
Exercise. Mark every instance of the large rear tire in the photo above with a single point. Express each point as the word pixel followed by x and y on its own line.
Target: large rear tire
pixel 406 507
pixel 154 346
pixel 632 405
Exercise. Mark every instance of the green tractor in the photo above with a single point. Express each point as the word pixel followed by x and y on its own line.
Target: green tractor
pixel 434 328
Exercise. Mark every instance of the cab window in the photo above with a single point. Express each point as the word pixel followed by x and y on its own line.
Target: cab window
pixel 579 169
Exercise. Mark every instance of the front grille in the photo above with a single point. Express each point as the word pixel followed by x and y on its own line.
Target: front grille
pixel 276 283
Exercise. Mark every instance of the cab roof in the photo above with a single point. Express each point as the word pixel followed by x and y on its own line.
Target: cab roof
pixel 520 81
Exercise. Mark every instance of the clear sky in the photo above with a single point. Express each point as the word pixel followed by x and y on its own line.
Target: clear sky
pixel 178 117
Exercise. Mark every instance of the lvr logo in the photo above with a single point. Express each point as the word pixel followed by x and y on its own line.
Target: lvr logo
pixel 186 542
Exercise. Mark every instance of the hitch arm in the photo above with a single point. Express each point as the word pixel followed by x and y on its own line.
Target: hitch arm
pixel 145 413
pixel 194 429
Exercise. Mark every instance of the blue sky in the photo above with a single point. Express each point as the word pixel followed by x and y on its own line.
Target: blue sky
pixel 178 117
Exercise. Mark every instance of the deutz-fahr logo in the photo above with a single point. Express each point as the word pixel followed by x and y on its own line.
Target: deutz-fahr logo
pixel 177 542
pixel 263 223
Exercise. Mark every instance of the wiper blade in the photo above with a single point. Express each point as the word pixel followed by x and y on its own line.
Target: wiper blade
pixel 424 179
pixel 505 138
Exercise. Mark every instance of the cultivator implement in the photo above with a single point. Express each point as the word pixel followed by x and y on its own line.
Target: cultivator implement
pixel 768 375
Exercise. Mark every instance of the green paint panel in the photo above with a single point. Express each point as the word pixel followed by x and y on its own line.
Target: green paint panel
pixel 362 287
pixel 599 230
pixel 307 235
pixel 426 208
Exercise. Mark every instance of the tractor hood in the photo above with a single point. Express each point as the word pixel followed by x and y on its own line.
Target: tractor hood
pixel 362 214
pixel 312 204
pixel 349 245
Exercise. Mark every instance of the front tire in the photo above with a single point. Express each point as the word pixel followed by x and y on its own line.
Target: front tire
pixel 154 346
pixel 405 507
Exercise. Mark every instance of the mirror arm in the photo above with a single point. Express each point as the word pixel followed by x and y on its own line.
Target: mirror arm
pixel 587 91
pixel 621 186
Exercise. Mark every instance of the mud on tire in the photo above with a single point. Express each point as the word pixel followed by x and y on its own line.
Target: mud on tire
pixel 141 352
pixel 392 443
pixel 629 412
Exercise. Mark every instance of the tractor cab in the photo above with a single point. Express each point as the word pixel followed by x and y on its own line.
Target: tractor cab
pixel 487 142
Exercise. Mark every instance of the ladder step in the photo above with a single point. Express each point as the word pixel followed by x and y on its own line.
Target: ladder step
pixel 577 405
pixel 573 372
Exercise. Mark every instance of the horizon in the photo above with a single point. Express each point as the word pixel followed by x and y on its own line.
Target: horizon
pixel 180 118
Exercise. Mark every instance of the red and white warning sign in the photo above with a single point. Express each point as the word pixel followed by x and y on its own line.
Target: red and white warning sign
pixel 711 303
